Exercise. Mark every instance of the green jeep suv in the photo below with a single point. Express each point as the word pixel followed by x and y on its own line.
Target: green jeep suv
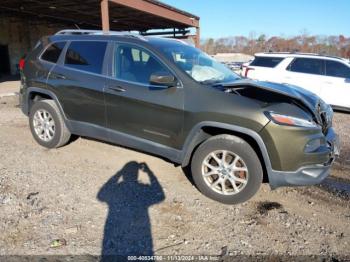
pixel 164 97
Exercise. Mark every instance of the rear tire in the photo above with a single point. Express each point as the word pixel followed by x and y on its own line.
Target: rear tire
pixel 47 124
pixel 226 168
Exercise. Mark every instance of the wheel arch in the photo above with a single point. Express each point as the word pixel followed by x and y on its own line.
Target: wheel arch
pixel 35 94
pixel 204 130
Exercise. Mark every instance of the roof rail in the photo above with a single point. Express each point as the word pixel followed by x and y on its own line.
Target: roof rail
pixel 304 53
pixel 98 32
pixel 291 53
pixel 88 32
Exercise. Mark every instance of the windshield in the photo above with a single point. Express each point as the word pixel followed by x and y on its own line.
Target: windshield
pixel 196 63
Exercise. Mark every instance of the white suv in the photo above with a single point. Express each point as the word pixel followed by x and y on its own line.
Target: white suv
pixel 326 76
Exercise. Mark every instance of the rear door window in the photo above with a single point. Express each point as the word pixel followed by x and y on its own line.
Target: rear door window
pixel 86 55
pixel 307 66
pixel 265 61
pixel 336 69
pixel 52 53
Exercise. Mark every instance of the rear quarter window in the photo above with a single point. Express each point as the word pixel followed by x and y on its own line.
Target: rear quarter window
pixel 86 55
pixel 53 52
pixel 264 61
pixel 336 69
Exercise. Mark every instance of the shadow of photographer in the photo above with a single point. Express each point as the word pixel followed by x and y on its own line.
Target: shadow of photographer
pixel 127 229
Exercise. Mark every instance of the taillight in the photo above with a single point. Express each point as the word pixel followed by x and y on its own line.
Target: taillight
pixel 21 64
pixel 247 70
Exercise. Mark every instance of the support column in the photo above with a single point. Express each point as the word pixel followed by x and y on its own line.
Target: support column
pixel 105 15
pixel 198 37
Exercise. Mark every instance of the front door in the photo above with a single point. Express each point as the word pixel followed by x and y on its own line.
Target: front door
pixel 137 108
pixel 336 84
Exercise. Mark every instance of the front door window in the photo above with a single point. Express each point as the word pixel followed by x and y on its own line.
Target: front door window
pixel 136 65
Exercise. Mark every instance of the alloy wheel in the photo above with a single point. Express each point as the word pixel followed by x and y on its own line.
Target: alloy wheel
pixel 225 172
pixel 44 125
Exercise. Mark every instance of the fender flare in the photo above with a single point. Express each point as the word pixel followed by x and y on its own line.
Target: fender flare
pixel 42 91
pixel 197 135
pixel 46 92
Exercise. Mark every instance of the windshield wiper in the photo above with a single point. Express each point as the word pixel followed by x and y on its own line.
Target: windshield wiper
pixel 209 81
pixel 226 89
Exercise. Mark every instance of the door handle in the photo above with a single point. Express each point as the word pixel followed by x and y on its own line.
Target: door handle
pixel 117 89
pixel 59 76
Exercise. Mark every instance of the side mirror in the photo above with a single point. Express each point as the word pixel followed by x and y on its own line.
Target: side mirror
pixel 163 79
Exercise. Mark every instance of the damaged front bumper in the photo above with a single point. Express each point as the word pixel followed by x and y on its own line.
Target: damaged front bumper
pixel 311 174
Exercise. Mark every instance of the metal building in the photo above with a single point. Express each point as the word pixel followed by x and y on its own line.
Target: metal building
pixel 23 22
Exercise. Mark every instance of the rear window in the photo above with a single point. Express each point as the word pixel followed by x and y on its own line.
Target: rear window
pixel 52 53
pixel 337 69
pixel 307 66
pixel 266 61
pixel 86 55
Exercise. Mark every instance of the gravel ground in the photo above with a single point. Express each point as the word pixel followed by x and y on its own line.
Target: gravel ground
pixel 8 87
pixel 95 197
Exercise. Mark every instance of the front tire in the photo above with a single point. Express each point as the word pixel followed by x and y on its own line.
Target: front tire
pixel 226 168
pixel 47 125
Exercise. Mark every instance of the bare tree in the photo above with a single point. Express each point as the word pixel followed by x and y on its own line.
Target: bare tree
pixel 304 42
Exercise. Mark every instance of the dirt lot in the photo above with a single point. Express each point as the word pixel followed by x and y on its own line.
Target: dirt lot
pixel 88 195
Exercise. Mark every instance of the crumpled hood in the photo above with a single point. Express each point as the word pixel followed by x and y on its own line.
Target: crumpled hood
pixel 309 99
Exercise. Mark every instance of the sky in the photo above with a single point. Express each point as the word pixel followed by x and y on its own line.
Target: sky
pixel 220 18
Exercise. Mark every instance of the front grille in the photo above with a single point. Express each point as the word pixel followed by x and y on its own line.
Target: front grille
pixel 325 126
pixel 325 115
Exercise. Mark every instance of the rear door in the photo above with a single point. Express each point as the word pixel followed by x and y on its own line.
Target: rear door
pixel 336 84
pixel 264 68
pixel 78 80
pixel 307 73
pixel 137 108
pixel 47 60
